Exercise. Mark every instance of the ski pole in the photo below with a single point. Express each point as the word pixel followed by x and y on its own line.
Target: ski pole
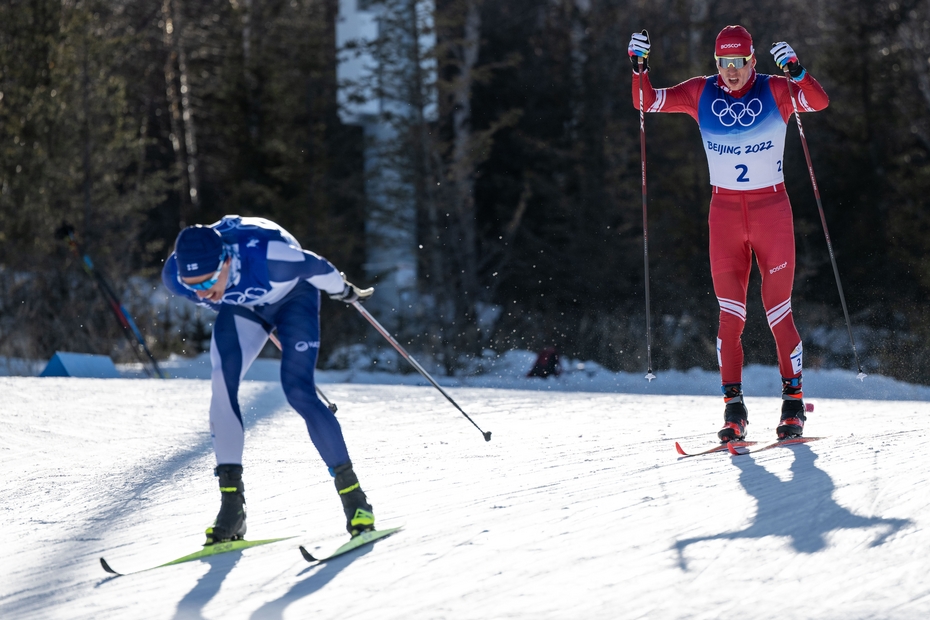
pixel 413 362
pixel 823 220
pixel 329 405
pixel 642 148
pixel 124 318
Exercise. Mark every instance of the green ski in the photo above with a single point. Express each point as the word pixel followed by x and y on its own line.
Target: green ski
pixel 207 551
pixel 358 541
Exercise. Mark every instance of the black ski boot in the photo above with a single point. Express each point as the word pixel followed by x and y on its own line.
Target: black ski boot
pixel 230 522
pixel 735 416
pixel 359 515
pixel 792 409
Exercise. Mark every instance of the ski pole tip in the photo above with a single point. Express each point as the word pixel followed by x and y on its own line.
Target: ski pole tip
pixel 650 376
pixel 861 376
pixel 487 435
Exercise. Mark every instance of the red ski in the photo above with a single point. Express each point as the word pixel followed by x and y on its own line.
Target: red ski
pixel 718 448
pixel 737 450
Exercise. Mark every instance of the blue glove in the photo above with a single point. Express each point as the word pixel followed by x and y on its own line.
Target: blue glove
pixel 639 48
pixel 786 58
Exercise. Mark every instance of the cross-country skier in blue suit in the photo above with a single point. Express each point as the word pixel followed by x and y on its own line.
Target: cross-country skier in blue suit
pixel 258 279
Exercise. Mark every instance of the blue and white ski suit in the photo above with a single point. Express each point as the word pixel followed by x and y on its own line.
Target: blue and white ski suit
pixel 272 284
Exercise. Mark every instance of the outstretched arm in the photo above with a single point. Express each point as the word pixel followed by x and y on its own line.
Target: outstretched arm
pixel 682 98
pixel 286 263
pixel 809 94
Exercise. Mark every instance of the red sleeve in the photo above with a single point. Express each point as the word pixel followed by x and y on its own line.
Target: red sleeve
pixel 808 93
pixel 681 98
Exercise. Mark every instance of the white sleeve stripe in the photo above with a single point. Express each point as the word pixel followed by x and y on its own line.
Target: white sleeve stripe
pixel 278 250
pixel 659 102
pixel 331 282
pixel 803 101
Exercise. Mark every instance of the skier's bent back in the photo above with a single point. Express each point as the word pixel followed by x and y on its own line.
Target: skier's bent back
pixel 258 279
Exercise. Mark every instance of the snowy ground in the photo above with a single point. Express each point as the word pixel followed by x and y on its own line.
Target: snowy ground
pixel 579 507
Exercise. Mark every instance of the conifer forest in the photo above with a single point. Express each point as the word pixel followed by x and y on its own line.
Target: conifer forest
pixel 497 136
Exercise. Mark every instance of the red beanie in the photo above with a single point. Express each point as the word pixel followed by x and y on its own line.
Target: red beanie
pixel 733 41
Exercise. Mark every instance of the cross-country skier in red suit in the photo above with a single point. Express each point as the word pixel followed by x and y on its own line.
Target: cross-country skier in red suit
pixel 743 117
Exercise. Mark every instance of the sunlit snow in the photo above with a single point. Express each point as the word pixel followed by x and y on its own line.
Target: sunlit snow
pixel 579 507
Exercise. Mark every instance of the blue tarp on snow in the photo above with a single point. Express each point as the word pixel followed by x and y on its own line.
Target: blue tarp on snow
pixel 80 365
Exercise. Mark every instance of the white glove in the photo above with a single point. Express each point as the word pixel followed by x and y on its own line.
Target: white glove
pixel 786 58
pixel 639 44
pixel 351 292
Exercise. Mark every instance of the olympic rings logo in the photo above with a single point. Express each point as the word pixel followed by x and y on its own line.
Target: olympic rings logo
pixel 743 113
pixel 237 298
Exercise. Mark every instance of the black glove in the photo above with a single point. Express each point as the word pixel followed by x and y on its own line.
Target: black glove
pixel 639 49
pixel 351 293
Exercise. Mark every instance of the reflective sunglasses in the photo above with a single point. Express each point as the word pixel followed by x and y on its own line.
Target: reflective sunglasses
pixel 737 62
pixel 206 284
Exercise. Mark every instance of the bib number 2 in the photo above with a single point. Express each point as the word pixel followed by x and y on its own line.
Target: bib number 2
pixel 744 170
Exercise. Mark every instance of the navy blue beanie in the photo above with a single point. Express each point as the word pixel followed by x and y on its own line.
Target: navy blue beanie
pixel 199 250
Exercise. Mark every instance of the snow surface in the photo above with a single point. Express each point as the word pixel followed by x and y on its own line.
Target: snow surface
pixel 579 507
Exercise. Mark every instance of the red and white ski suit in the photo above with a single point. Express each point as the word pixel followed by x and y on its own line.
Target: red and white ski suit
pixel 744 138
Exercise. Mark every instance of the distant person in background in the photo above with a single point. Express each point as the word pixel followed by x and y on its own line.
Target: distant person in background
pixel 743 117
pixel 547 363
pixel 258 279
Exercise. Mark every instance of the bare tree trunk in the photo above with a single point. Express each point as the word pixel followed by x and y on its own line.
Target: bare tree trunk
pixel 916 42
pixel 187 115
pixel 428 174
pixel 143 138
pixel 463 165
pixel 246 33
pixel 321 104
pixel 700 9
pixel 510 232
pixel 250 27
pixel 85 139
pixel 174 113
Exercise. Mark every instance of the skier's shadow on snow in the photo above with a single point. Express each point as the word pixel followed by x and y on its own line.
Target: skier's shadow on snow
pixel 322 574
pixel 801 509
pixel 261 405
pixel 191 606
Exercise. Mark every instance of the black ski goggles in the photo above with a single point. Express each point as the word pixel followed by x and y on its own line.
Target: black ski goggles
pixel 737 62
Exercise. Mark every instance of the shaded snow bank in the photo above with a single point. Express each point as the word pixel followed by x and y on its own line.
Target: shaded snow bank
pixel 508 371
